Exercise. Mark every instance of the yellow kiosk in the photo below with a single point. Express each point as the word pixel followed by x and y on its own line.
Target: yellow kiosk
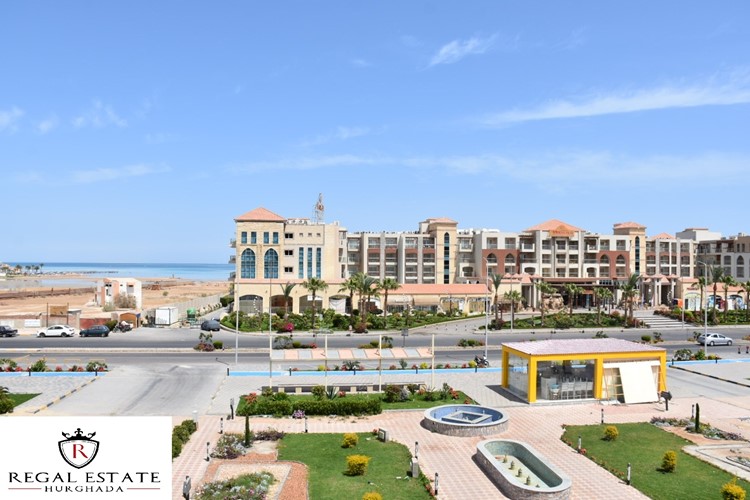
pixel 611 369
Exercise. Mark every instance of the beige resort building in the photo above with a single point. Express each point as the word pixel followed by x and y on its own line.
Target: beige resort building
pixel 443 267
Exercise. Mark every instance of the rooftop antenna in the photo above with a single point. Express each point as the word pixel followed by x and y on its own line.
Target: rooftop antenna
pixel 319 210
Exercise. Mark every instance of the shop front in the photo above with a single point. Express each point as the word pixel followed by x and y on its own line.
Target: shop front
pixel 575 369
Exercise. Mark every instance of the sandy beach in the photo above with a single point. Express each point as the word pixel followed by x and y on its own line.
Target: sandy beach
pixel 24 295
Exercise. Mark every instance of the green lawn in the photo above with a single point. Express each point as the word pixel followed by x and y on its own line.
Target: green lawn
pixel 326 460
pixel 21 398
pixel 644 445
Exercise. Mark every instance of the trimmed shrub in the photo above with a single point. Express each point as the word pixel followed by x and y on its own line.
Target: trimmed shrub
pixel 372 495
pixel 350 440
pixel 319 391
pixel 392 393
pixel 356 465
pixel 732 491
pixel 176 446
pixel 669 462
pixel 218 344
pixel 611 433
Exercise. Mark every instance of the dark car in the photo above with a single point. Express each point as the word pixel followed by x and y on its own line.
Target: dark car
pixel 6 331
pixel 211 325
pixel 95 331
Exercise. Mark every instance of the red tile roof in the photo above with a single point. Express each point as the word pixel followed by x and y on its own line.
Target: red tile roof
pixel 580 346
pixel 663 236
pixel 553 224
pixel 260 214
pixel 631 225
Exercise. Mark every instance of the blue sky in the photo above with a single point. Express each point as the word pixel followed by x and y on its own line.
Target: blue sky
pixel 136 131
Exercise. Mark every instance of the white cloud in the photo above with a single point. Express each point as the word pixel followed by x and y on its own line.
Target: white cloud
pixel 341 134
pixel 98 116
pixel 458 49
pixel 110 174
pixel 47 124
pixel 9 119
pixel 734 90
pixel 360 63
pixel 557 172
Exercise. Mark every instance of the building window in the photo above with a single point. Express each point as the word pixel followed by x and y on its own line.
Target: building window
pixel 275 238
pixel 253 238
pixel 446 258
pixel 271 264
pixel 309 262
pixel 288 270
pixel 247 264
pixel 318 255
pixel 301 266
pixel 288 236
pixel 637 255
pixel 288 253
pixel 243 238
pixel 265 238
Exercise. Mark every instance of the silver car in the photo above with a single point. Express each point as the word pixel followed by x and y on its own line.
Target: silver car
pixel 711 338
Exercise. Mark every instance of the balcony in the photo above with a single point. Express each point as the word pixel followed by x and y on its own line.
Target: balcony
pixel 232 259
pixel 232 242
pixel 232 276
pixel 527 247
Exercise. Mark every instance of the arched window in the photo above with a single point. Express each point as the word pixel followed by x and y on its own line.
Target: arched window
pixel 247 264
pixel 492 259
pixel 637 255
pixel 620 260
pixel 740 273
pixel 509 259
pixel 271 264
pixel 604 261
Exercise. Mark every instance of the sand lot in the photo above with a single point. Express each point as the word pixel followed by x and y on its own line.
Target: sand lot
pixel 156 292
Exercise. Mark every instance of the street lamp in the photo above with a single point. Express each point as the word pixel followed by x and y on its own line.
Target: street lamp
pixel 705 310
pixel 486 304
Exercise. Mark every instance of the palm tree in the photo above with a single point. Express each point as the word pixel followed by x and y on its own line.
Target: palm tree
pixel 702 284
pixel 387 284
pixel 545 289
pixel 496 282
pixel 717 274
pixel 514 296
pixel 629 293
pixel 573 290
pixel 726 281
pixel 367 288
pixel 350 286
pixel 602 295
pixel 286 290
pixel 746 287
pixel 313 285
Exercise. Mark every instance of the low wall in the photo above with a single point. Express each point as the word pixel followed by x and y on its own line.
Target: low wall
pixel 497 423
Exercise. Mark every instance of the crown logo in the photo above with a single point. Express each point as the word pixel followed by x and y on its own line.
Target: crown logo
pixel 78 449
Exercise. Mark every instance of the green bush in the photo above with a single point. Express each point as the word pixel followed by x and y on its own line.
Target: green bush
pixel 218 344
pixel 669 462
pixel 356 465
pixel 319 391
pixel 111 324
pixel 392 393
pixel 96 366
pixel 646 338
pixel 6 404
pixel 176 446
pixel 611 433
pixel 226 300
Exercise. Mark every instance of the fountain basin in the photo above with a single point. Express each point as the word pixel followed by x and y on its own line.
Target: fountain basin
pixel 501 460
pixel 464 420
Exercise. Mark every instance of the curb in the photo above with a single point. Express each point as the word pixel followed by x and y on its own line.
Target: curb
pixel 709 376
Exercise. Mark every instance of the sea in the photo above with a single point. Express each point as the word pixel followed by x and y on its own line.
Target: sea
pixel 96 270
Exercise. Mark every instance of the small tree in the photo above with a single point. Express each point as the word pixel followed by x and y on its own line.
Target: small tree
pixel 669 462
pixel 356 465
pixel 350 440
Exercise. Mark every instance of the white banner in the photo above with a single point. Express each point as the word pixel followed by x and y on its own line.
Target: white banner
pixel 67 458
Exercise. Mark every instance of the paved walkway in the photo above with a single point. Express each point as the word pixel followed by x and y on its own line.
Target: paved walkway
pixel 451 457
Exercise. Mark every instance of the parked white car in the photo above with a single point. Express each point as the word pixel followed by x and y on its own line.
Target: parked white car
pixel 56 331
pixel 714 339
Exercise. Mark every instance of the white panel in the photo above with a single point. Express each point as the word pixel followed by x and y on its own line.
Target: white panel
pixel 638 384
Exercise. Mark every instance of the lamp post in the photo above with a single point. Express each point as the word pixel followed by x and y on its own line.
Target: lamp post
pixel 705 310
pixel 236 320
pixel 486 305
pixel 512 305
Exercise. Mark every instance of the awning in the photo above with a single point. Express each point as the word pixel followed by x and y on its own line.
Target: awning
pixel 399 299
pixel 426 301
